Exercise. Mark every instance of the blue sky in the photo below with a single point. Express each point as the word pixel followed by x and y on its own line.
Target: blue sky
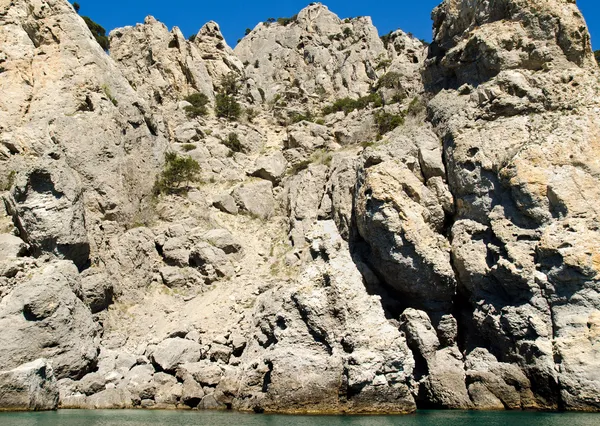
pixel 234 16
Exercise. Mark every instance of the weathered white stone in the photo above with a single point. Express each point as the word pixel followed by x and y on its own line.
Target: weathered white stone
pixel 172 352
pixel 30 386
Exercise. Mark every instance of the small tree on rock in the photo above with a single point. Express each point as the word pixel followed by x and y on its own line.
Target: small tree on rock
pixel 177 170
pixel 198 107
pixel 225 104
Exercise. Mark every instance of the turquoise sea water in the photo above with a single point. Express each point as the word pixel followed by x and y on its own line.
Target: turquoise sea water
pixel 185 418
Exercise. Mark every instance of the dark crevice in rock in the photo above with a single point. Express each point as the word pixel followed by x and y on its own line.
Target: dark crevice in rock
pixel 391 300
pixel 150 124
pixel 267 377
pixel 87 105
pixel 174 43
pixel 189 77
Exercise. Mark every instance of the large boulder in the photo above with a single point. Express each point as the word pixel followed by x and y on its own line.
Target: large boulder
pixel 97 289
pixel 256 198
pixel 43 316
pixel 170 353
pixel 11 247
pixel 29 387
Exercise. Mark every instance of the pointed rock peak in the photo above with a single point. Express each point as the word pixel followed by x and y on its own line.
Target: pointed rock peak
pixel 211 30
pixel 317 12
pixel 152 22
pixel 210 37
pixel 219 57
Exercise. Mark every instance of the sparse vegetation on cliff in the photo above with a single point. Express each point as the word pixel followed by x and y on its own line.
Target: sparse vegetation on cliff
pixel 386 122
pixel 178 170
pixel 198 103
pixel 97 30
pixel 226 105
pixel 347 105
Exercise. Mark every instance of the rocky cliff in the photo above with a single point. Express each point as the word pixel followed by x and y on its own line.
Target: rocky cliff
pixel 388 225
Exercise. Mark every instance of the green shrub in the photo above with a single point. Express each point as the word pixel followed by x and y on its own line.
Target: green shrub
pixel 198 107
pixel 227 107
pixel 229 84
pixel 348 32
pixel 233 142
pixel 287 21
pixel 367 144
pixel 397 98
pixel 348 104
pixel 177 170
pixel 76 6
pixel 415 107
pixel 296 117
pixel 597 56
pixel 109 95
pixel 248 31
pixel 390 80
pixel 386 39
pixel 256 64
pixel 387 122
pixel 2 69
pixel 98 32
pixel 192 38
pixel 187 147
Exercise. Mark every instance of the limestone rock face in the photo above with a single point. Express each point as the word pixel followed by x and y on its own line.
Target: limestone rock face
pixel 49 212
pixel 401 220
pixel 474 42
pixel 61 92
pixel 523 243
pixel 43 316
pixel 431 242
pixel 318 351
pixel 29 387
pixel 161 64
pixel 315 54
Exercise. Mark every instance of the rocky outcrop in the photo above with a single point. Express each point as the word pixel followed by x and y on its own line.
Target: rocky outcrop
pixel 217 55
pixel 324 344
pixel 429 240
pixel 43 316
pixel 314 55
pixel 401 217
pixel 160 64
pixel 521 181
pixel 29 387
